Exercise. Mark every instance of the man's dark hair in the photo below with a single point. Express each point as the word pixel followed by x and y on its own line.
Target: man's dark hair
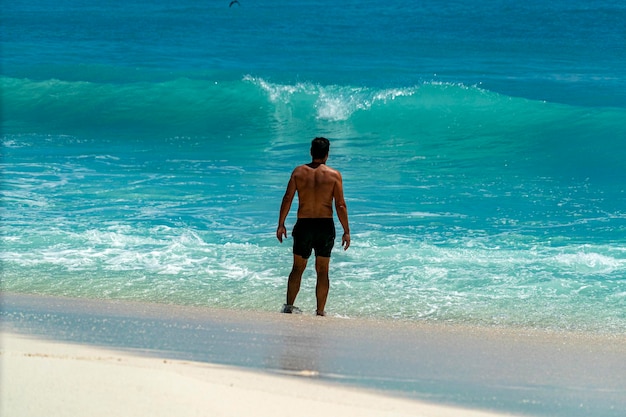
pixel 319 147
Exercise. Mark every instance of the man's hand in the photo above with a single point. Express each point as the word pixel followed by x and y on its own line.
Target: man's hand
pixel 281 232
pixel 345 241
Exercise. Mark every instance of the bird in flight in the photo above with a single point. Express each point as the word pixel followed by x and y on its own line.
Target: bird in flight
pixel 234 2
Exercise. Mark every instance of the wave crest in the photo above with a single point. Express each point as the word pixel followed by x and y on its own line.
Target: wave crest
pixel 333 102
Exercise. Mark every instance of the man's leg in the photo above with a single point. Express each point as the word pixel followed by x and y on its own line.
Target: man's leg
pixel 321 289
pixel 295 277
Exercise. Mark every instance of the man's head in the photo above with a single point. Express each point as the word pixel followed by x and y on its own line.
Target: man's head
pixel 319 148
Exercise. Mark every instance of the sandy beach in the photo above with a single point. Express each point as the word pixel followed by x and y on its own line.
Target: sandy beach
pixel 59 379
pixel 71 357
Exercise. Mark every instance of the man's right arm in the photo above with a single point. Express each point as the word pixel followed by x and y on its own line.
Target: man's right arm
pixel 342 212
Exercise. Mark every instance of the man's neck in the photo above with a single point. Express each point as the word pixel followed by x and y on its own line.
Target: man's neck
pixel 315 163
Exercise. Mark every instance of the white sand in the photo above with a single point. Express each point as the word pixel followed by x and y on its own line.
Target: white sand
pixel 44 378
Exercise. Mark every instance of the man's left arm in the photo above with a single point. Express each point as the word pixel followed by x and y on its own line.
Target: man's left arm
pixel 285 206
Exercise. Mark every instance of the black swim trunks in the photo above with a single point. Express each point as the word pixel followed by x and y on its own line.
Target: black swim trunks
pixel 309 234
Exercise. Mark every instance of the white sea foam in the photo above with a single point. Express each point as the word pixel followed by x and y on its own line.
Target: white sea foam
pixel 585 262
pixel 399 278
pixel 334 103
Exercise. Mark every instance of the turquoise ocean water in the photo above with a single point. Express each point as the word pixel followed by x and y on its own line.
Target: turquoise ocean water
pixel 146 147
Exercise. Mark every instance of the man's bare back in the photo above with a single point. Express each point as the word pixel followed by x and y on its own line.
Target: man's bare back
pixel 316 185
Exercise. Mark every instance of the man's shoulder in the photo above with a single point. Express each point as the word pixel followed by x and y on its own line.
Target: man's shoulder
pixel 299 168
pixel 306 170
pixel 333 171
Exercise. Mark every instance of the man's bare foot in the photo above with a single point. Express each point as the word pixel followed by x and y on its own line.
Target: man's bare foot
pixel 290 309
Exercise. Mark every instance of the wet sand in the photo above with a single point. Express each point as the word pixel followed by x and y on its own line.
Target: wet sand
pixel 501 370
pixel 60 379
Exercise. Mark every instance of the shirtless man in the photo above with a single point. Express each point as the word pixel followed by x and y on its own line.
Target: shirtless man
pixel 317 186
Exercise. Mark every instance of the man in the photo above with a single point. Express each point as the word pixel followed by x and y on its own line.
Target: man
pixel 317 186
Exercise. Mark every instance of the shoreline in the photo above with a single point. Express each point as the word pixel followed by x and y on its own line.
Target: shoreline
pixel 120 306
pixel 504 370
pixel 72 380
